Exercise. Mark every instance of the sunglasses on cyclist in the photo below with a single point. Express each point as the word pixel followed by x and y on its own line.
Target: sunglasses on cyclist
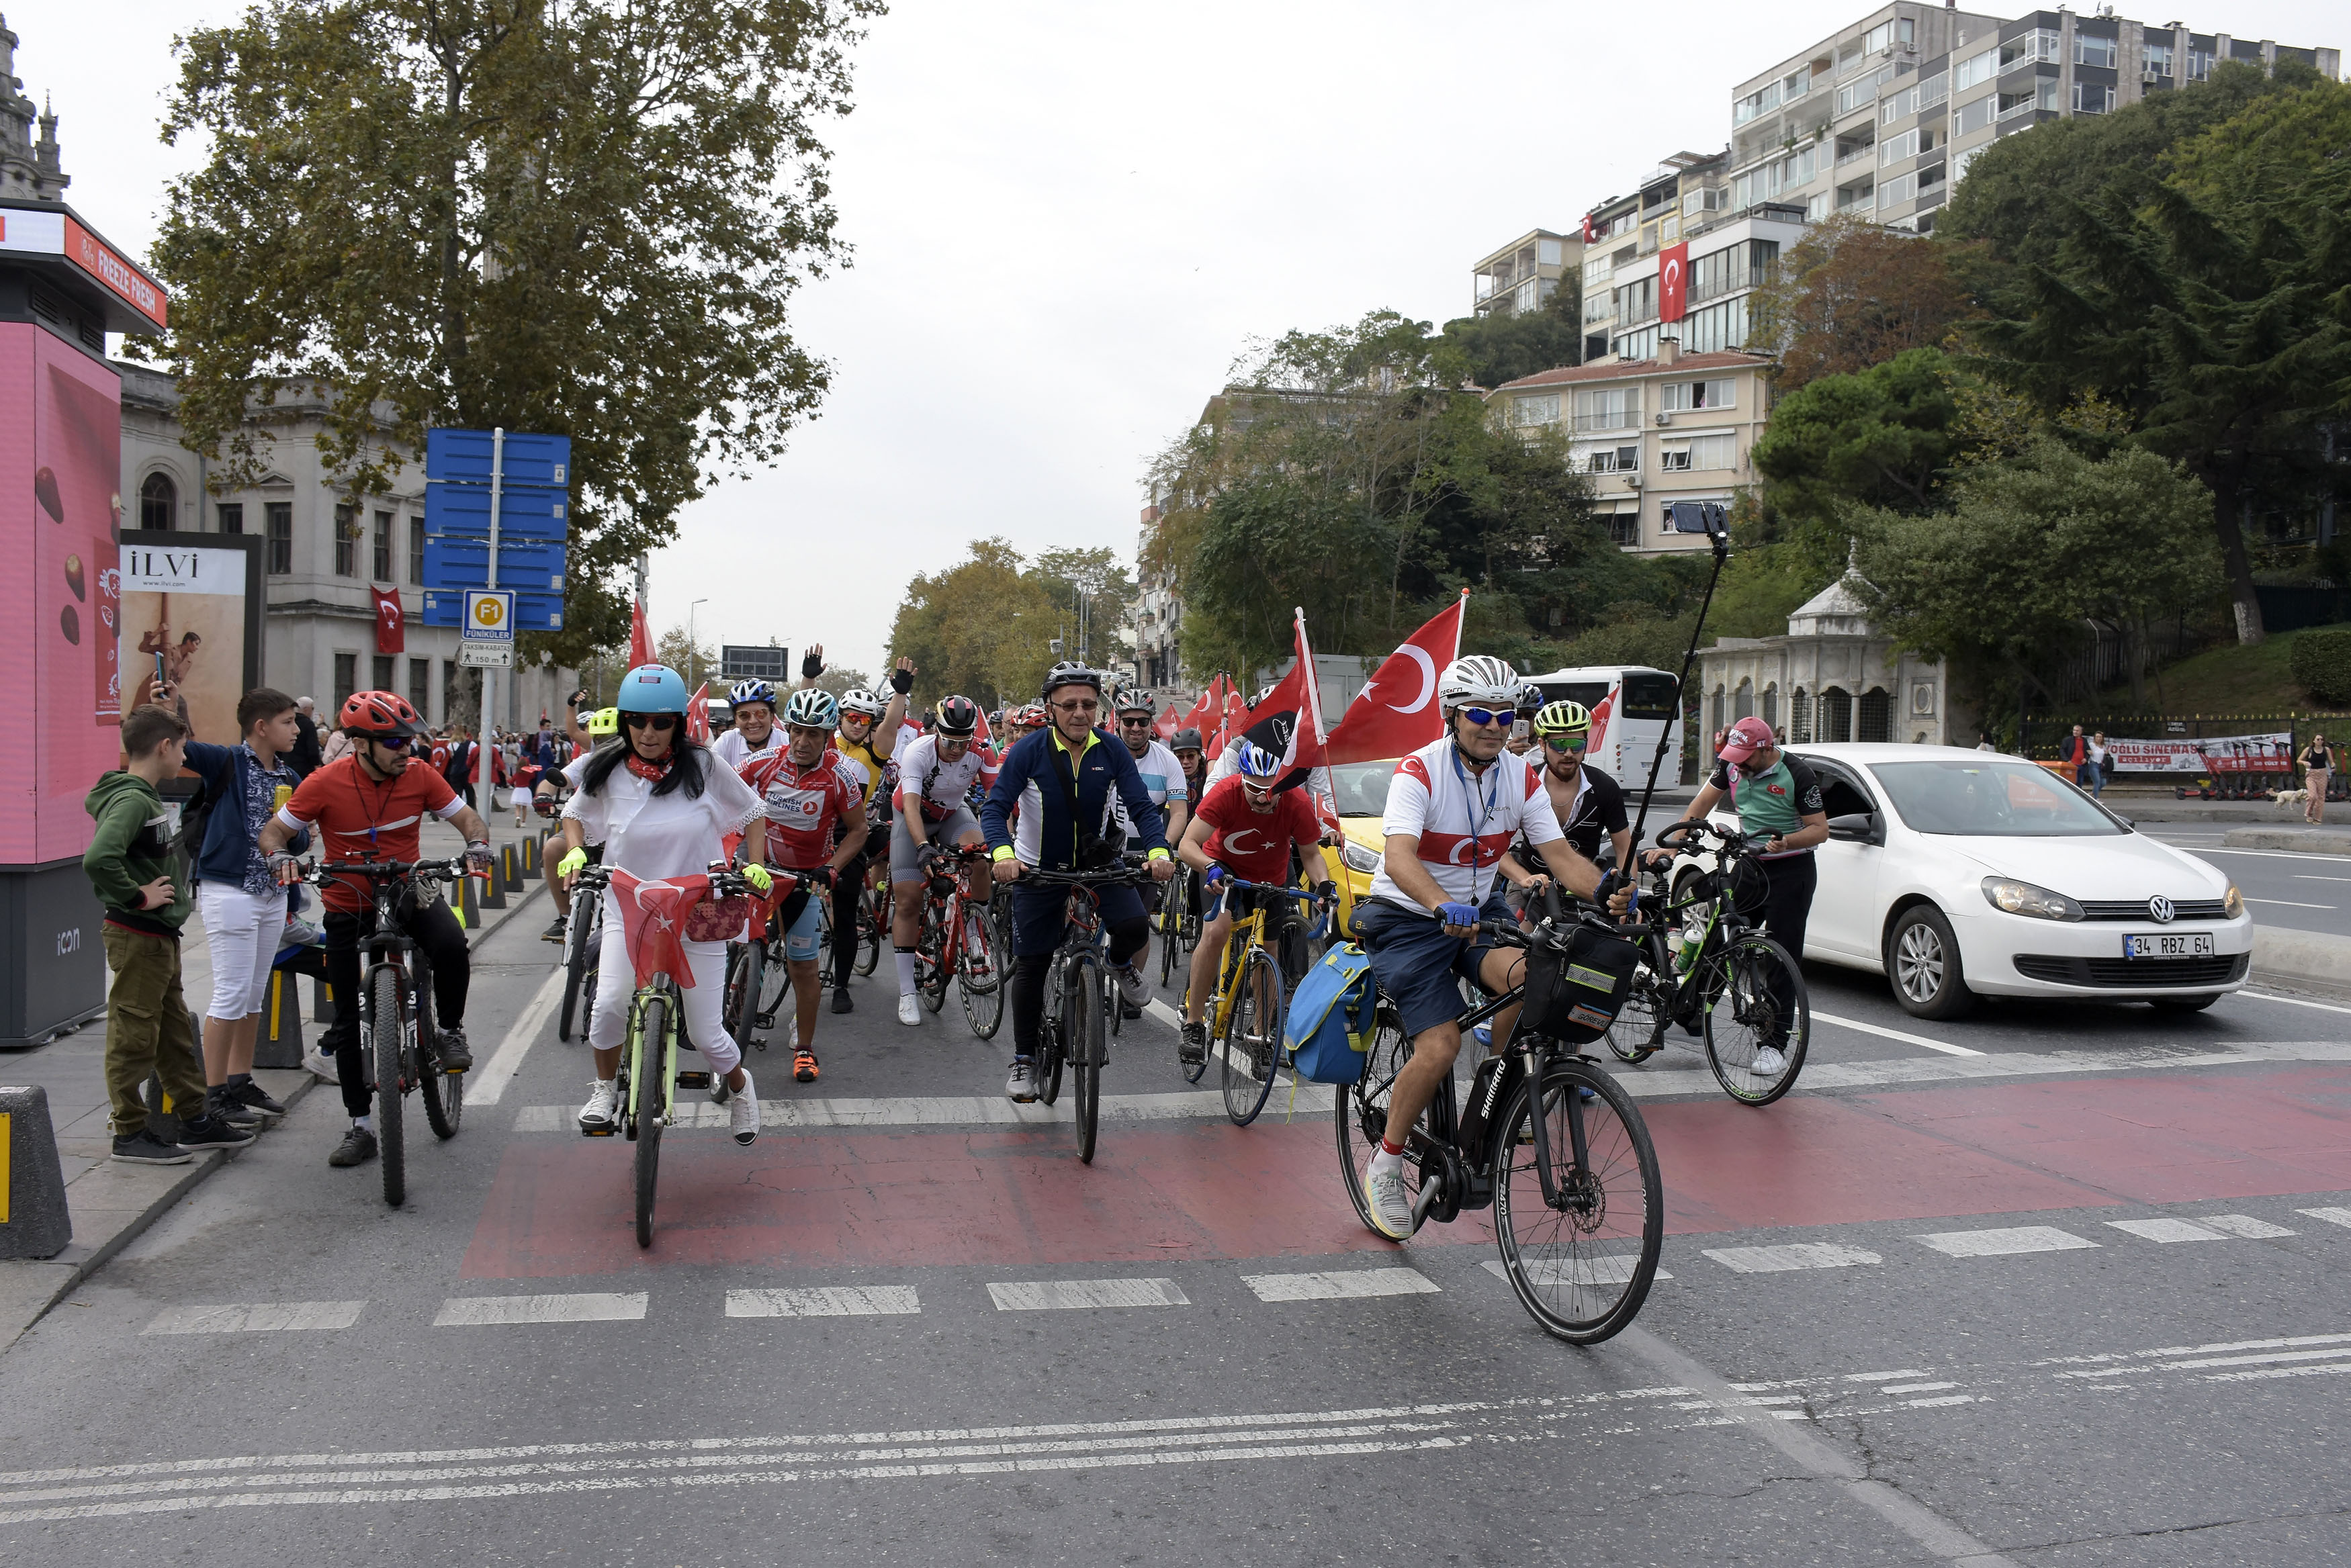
pixel 1483 716
pixel 394 742
pixel 1133 721
pixel 1576 743
pixel 660 724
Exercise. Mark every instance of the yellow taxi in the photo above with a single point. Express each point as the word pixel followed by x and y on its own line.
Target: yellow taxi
pixel 1360 791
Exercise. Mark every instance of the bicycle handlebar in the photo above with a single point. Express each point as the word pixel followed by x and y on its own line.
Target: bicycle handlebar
pixel 1303 894
pixel 1128 868
pixel 448 871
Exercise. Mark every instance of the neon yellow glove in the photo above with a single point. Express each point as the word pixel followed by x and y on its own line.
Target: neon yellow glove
pixel 756 875
pixel 569 867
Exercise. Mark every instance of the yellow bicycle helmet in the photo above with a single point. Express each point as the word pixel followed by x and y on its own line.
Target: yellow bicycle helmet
pixel 605 721
pixel 1562 719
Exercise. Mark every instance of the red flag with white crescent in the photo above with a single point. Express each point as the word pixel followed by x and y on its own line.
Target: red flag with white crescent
pixel 1397 712
pixel 697 715
pixel 391 623
pixel 641 640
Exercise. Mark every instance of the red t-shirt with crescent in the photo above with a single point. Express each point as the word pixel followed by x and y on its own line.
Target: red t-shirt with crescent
pixel 359 815
pixel 1252 844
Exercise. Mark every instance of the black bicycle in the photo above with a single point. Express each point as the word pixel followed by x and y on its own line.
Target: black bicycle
pixel 1548 1140
pixel 1707 969
pixel 1080 1001
pixel 397 1037
pixel 583 958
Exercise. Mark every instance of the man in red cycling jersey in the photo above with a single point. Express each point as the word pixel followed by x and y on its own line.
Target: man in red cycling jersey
pixel 810 788
pixel 371 802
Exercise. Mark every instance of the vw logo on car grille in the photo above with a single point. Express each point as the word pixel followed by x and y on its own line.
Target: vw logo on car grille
pixel 2159 909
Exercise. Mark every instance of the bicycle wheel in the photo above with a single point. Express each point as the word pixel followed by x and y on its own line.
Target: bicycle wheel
pixel 747 975
pixel 443 1093
pixel 594 969
pixel 651 1091
pixel 932 971
pixel 1583 1268
pixel 1082 1013
pixel 575 969
pixel 985 951
pixel 1755 1001
pixel 389 1024
pixel 872 920
pixel 1251 1046
pixel 1165 926
pixel 1361 1109
pixel 1639 1029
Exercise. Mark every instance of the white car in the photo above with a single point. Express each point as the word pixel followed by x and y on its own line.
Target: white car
pixel 1960 874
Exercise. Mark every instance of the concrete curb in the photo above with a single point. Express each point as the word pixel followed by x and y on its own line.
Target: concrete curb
pixel 2304 961
pixel 2306 840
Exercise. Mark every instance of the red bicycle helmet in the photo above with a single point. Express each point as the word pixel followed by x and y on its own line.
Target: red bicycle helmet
pixel 383 714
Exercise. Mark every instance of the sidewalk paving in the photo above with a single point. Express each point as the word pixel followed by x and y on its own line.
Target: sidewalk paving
pixel 109 1203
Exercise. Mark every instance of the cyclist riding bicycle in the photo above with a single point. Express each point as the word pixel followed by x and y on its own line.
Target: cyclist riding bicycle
pixel 371 803
pixel 1063 780
pixel 1588 803
pixel 754 703
pixel 598 728
pixel 815 794
pixel 1163 775
pixel 868 736
pixel 935 774
pixel 1453 808
pixel 663 806
pixel 1248 829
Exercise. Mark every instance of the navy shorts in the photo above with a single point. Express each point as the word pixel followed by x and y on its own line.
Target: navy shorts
pixel 1418 966
pixel 1037 914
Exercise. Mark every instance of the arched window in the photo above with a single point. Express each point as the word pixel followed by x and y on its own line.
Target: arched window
pixel 159 501
pixel 1800 716
pixel 1835 715
pixel 1742 702
pixel 1876 715
pixel 1772 704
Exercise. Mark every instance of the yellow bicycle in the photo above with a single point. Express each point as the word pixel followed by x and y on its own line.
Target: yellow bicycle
pixel 1245 1013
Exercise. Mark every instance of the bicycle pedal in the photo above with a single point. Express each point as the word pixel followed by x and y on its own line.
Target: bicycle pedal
pixel 694 1080
pixel 598 1132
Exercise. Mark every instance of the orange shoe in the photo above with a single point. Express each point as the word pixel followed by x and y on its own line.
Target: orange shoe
pixel 804 1066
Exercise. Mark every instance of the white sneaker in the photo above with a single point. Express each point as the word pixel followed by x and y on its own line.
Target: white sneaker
pixel 603 1104
pixel 1021 1088
pixel 1389 1200
pixel 1131 986
pixel 321 1065
pixel 910 1010
pixel 743 1111
pixel 1770 1062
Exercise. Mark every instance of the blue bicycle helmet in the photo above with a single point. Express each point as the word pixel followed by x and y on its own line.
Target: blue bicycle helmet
pixel 1255 762
pixel 752 690
pixel 652 688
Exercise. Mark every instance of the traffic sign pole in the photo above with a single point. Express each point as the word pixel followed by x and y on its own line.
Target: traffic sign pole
pixel 490 677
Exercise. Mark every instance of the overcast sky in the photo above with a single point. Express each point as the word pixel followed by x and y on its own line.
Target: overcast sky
pixel 1068 220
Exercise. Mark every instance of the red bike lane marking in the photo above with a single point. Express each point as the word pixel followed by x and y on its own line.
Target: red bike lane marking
pixel 562 1208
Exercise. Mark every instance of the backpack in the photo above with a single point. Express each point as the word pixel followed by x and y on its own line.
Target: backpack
pixel 1575 988
pixel 1329 1027
pixel 458 771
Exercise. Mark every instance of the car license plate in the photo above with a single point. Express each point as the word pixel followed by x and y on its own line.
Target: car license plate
pixel 2170 944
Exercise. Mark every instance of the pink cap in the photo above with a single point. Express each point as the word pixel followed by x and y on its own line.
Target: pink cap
pixel 1744 738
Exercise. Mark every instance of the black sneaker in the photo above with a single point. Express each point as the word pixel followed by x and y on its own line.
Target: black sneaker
pixel 255 1098
pixel 457 1056
pixel 1192 1044
pixel 357 1149
pixel 143 1147
pixel 557 928
pixel 841 1003
pixel 213 1132
pixel 223 1105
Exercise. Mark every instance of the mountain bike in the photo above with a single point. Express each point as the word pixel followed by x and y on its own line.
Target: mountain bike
pixel 1707 969
pixel 583 958
pixel 962 939
pixel 1178 925
pixel 1246 1011
pixel 758 978
pixel 397 1037
pixel 1079 993
pixel 1546 1138
pixel 649 1076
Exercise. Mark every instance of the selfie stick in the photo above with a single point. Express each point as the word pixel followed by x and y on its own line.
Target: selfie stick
pixel 1717 529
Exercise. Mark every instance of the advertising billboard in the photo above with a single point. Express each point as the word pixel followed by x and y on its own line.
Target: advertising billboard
pixel 185 607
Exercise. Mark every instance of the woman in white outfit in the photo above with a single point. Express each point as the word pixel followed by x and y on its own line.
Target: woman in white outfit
pixel 662 806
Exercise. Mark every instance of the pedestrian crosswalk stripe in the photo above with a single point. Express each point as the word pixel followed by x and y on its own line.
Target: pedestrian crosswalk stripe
pixel 586 1306
pixel 1314 1100
pixel 2332 1216
pixel 255 1317
pixel 1996 1243
pixel 1793 1255
pixel 2242 1225
pixel 826 1301
pixel 1339 1284
pixel 1045 1295
pixel 2203 1228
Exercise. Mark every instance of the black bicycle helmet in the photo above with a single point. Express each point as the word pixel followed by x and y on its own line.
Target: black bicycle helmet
pixel 958 716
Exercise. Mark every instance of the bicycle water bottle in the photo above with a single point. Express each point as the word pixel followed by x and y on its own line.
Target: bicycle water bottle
pixel 1693 938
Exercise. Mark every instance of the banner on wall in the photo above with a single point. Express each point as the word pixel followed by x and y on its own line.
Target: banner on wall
pixel 2270 753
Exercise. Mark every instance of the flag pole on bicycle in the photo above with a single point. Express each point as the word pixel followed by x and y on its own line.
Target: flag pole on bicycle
pixel 1686 518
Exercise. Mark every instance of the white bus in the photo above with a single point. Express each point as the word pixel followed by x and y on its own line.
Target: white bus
pixel 1630 707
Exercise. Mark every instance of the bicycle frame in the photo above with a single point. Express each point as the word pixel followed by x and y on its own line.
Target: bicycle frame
pixel 1253 927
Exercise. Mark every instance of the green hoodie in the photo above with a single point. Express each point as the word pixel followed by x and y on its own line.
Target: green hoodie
pixel 133 847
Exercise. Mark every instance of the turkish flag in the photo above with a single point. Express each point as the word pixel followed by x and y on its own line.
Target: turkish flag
pixel 1164 726
pixel 653 922
pixel 1589 235
pixel 390 625
pixel 1197 718
pixel 1672 282
pixel 1289 722
pixel 641 641
pixel 1398 710
pixel 697 715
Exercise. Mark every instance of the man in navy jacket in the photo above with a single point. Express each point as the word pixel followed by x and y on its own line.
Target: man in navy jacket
pixel 1061 779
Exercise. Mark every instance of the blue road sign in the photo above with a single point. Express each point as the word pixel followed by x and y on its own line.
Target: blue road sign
pixel 532 611
pixel 464 509
pixel 463 457
pixel 462 561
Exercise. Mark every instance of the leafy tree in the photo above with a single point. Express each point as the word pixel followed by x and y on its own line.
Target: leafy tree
pixel 587 218
pixel 1850 296
pixel 981 628
pixel 1881 436
pixel 1502 346
pixel 1089 589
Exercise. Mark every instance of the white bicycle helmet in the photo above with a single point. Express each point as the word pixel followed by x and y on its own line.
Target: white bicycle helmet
pixel 812 708
pixel 860 700
pixel 1254 762
pixel 1480 680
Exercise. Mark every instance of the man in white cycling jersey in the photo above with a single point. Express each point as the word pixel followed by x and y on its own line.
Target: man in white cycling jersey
pixel 935 772
pixel 754 703
pixel 1454 807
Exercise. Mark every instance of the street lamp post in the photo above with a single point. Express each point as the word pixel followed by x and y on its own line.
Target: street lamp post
pixel 693 646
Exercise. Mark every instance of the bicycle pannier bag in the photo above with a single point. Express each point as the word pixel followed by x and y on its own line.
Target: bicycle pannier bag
pixel 1574 991
pixel 1329 1027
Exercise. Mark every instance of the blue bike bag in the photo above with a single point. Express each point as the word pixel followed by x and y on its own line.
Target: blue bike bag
pixel 1330 1023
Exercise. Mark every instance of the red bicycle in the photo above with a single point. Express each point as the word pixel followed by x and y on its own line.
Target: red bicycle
pixel 966 937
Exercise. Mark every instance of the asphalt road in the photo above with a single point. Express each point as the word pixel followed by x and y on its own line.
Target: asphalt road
pixel 2295 892
pixel 1926 1309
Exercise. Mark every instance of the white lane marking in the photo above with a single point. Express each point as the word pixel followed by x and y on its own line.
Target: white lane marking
pixel 491 1082
pixel 2293 1001
pixel 2168 1231
pixel 586 1306
pixel 1164 1014
pixel 255 1318
pixel 1916 1387
pixel 1907 1039
pixel 1053 1295
pixel 1793 1255
pixel 2271 854
pixel 2000 1242
pixel 2332 1216
pixel 2306 877
pixel 2288 904
pixel 2243 1225
pixel 695 1112
pixel 1883 1377
pixel 1584 1272
pixel 1342 1285
pixel 826 1301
